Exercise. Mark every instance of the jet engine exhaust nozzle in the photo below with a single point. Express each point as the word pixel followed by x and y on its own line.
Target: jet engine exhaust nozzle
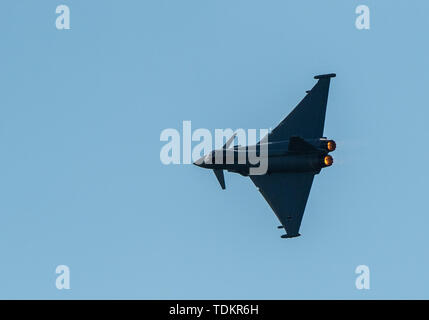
pixel 331 145
pixel 328 160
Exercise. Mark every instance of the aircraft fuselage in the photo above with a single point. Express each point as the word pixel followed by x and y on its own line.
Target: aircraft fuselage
pixel 281 156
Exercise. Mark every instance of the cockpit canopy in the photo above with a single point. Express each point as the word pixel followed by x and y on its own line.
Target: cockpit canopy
pixel 208 158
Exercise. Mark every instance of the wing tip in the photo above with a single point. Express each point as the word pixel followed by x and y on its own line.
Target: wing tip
pixel 325 76
pixel 286 236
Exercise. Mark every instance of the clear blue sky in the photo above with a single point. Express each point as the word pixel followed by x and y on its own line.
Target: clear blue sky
pixel 81 182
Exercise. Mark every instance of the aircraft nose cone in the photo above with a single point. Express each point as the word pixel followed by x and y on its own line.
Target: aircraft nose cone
pixel 199 162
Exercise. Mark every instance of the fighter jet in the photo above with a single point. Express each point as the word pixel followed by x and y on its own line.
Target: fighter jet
pixel 297 150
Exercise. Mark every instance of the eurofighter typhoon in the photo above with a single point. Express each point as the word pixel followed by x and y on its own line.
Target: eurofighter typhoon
pixel 296 152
